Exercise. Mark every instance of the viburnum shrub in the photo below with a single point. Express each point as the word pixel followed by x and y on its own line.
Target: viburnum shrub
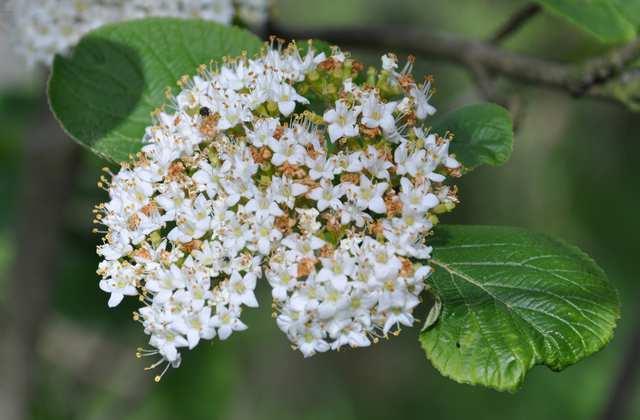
pixel 295 165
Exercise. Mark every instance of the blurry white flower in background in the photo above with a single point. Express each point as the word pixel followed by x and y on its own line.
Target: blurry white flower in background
pixel 39 29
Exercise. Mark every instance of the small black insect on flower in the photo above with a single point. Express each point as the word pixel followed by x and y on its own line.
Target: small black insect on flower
pixel 205 112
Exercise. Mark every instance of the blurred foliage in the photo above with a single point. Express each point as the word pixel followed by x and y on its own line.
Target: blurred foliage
pixel 572 174
pixel 15 110
pixel 611 21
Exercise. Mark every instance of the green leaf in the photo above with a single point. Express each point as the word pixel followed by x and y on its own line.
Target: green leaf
pixel 483 134
pixel 104 93
pixel 630 9
pixel 605 19
pixel 318 46
pixel 512 299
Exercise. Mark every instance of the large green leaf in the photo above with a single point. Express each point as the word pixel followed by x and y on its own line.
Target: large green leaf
pixel 611 21
pixel 512 299
pixel 483 134
pixel 104 92
pixel 630 9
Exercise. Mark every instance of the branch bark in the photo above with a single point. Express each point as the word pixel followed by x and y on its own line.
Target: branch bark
pixel 50 163
pixel 486 81
pixel 575 79
pixel 515 22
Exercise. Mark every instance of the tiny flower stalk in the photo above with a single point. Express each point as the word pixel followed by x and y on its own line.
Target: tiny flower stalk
pixel 302 170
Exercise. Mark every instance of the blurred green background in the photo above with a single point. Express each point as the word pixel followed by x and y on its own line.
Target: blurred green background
pixel 572 175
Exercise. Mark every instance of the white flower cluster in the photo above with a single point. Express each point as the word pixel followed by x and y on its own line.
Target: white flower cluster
pixel 43 28
pixel 233 186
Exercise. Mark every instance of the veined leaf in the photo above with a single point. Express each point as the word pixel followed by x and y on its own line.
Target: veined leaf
pixel 630 9
pixel 483 134
pixel 104 93
pixel 511 300
pixel 608 20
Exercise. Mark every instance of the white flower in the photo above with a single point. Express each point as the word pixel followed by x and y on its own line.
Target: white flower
pixel 342 121
pixel 334 300
pixel 266 235
pixel 375 164
pixel 116 247
pixel 378 114
pixel 235 78
pixel 307 221
pixel 285 150
pixel 121 283
pixel 385 264
pixel 397 316
pixel 352 339
pixel 227 321
pixel 291 321
pixel 412 221
pixel 44 28
pixel 199 288
pixel 171 199
pixel 286 97
pixel 320 167
pixel 168 342
pixel 421 97
pixel 348 86
pixel 352 213
pixel 165 282
pixel 416 198
pixel 311 341
pixel 338 55
pixel 253 12
pixel 241 289
pixel 407 163
pixel 192 221
pixel 343 162
pixel 369 195
pixel 336 270
pixel 195 326
pixel 282 280
pixel 234 113
pixel 236 235
pixel 284 190
pixel 263 131
pixel 327 195
pixel 263 206
pixel 389 62
pixel 208 179
pixel 304 246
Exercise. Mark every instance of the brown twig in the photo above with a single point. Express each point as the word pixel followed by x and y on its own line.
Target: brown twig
pixel 486 81
pixel 567 77
pixel 602 69
pixel 515 22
